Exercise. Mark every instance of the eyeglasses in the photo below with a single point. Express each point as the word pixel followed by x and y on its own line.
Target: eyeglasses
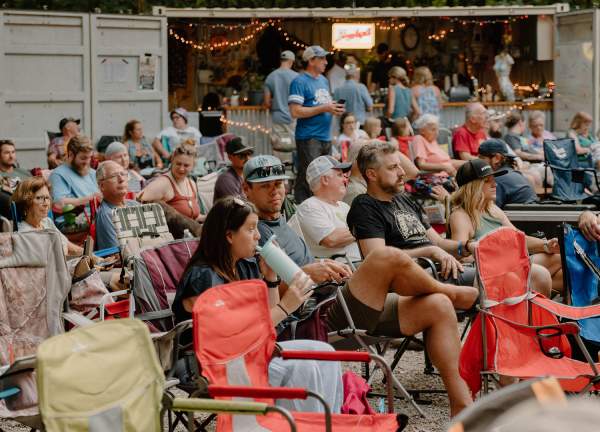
pixel 120 174
pixel 267 171
pixel 42 199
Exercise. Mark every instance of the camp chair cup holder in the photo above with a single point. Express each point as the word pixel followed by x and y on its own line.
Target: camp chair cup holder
pixel 545 334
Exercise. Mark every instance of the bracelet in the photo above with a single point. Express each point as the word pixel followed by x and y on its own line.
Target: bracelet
pixel 460 248
pixel 284 311
pixel 546 247
pixel 273 284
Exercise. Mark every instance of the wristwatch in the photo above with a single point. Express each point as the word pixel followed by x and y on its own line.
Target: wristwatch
pixel 273 284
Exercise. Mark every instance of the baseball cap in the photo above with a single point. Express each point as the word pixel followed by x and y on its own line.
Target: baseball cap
pixel 236 146
pixel 475 169
pixel 313 51
pixel 63 122
pixel 264 168
pixel 492 146
pixel 322 165
pixel 287 55
pixel 182 112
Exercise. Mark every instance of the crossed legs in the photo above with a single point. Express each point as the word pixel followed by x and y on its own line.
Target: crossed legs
pixel 424 304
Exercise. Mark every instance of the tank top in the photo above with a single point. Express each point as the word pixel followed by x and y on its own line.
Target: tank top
pixel 186 205
pixel 402 99
pixel 487 224
pixel 427 101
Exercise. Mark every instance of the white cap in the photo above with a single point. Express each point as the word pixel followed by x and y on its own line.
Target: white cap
pixel 322 165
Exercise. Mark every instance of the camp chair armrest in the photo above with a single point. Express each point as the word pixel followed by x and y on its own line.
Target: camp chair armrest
pixel 566 328
pixel 347 356
pixel 566 311
pixel 229 407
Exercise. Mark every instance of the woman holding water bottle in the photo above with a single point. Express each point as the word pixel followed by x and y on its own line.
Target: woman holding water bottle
pixel 226 253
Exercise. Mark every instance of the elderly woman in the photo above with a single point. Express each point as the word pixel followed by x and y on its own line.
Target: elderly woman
pixel 538 132
pixel 33 201
pixel 175 187
pixel 117 152
pixel 475 214
pixel 428 154
pixel 141 153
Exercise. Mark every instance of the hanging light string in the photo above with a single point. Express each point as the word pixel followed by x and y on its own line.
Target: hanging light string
pixel 245 125
pixel 225 44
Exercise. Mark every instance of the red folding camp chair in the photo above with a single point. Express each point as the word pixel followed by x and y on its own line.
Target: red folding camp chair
pixel 517 332
pixel 234 339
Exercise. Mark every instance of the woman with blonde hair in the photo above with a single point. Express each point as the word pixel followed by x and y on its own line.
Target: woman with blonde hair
pixel 400 100
pixel 426 93
pixel 585 142
pixel 475 213
pixel 175 187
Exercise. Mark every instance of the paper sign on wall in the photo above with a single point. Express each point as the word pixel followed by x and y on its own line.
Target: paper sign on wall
pixel 147 72
pixel 353 35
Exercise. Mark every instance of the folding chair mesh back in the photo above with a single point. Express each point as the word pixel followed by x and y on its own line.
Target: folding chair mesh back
pixel 139 226
pixel 569 178
pixel 107 376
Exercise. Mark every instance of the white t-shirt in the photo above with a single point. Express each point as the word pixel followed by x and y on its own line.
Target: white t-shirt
pixel 336 76
pixel 318 219
pixel 176 136
pixel 46 224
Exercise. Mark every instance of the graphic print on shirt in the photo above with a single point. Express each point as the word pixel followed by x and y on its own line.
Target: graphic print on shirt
pixel 322 97
pixel 409 226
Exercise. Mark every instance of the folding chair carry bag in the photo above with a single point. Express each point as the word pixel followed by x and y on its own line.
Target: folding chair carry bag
pixel 100 378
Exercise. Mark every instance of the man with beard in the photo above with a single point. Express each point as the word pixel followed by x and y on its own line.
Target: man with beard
pixel 386 216
pixel 401 300
pixel 310 102
pixel 74 182
pixel 69 128
pixel 8 161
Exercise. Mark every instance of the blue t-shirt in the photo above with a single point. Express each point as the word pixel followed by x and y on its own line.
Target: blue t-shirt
pixel 278 83
pixel 402 102
pixel 67 183
pixel 357 99
pixel 513 188
pixel 106 236
pixel 309 91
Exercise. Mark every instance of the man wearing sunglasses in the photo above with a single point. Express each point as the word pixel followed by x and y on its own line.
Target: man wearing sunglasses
pixel 112 182
pixel 230 182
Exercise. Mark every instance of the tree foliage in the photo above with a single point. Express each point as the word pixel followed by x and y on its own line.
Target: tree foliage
pixel 145 6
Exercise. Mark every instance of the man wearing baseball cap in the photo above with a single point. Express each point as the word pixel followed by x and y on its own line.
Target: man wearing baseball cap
pixel 512 187
pixel 311 103
pixel 277 91
pixel 322 217
pixel 170 137
pixel 57 150
pixel 229 183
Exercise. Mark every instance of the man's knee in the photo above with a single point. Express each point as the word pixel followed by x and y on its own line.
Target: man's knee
pixel 387 256
pixel 440 307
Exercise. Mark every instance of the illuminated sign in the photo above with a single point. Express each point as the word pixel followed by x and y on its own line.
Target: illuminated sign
pixel 353 35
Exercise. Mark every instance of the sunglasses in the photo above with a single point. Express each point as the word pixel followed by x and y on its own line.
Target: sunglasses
pixel 181 151
pixel 267 171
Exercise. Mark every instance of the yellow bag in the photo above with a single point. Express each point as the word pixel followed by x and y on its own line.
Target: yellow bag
pixel 103 377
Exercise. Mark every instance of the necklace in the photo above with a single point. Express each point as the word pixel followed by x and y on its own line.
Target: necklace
pixel 187 189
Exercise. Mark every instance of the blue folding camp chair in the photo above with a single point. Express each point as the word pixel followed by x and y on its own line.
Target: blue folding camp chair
pixel 581 273
pixel 571 176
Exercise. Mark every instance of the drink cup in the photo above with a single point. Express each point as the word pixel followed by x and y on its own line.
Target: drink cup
pixel 278 260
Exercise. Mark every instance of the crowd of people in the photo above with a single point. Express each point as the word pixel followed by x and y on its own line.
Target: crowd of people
pixel 351 201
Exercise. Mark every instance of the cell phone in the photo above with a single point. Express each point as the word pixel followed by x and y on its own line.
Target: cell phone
pixel 342 101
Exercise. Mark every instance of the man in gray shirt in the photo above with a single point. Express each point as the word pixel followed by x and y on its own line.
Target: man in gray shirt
pixel 355 94
pixel 277 90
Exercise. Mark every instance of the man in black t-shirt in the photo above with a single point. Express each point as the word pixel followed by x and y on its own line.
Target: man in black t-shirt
pixel 385 216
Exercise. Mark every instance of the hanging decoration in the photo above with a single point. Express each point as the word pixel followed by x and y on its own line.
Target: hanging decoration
pixel 245 125
pixel 440 35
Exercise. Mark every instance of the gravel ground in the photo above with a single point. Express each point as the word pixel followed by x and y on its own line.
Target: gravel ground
pixel 410 373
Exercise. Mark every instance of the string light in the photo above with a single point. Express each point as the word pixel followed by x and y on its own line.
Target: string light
pixel 217 45
pixel 389 25
pixel 245 125
pixel 440 35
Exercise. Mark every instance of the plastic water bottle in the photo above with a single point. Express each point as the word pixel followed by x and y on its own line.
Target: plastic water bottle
pixel 381 406
pixel 187 234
